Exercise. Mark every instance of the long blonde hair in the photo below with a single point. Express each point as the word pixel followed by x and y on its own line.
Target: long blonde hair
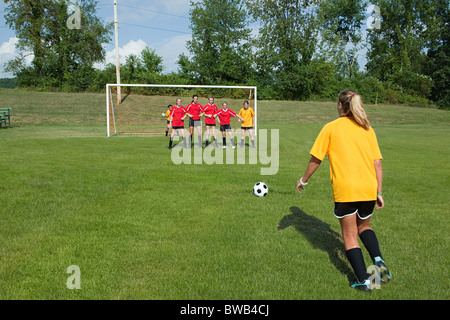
pixel 352 106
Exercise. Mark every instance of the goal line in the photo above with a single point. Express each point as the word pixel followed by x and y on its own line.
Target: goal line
pixel 142 117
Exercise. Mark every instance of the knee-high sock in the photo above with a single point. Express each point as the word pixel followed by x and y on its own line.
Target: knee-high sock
pixel 370 241
pixel 356 259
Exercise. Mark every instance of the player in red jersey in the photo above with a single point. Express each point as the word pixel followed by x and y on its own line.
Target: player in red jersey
pixel 210 122
pixel 177 116
pixel 195 111
pixel 224 116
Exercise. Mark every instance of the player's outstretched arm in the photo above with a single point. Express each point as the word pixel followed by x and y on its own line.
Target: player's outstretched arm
pixel 313 164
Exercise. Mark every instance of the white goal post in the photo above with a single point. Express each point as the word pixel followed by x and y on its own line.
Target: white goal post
pixel 111 120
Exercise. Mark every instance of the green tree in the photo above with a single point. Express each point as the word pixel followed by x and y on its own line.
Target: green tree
pixel 341 33
pixel 400 43
pixel 220 47
pixel 132 69
pixel 63 57
pixel 145 68
pixel 438 64
pixel 152 63
pixel 286 44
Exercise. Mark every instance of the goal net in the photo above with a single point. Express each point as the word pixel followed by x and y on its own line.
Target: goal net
pixel 141 108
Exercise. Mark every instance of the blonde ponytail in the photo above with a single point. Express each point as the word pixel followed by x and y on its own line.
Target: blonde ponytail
pixel 352 106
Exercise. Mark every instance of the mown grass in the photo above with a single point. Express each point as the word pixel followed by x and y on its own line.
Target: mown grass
pixel 140 227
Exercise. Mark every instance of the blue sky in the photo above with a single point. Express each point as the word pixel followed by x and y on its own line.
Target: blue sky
pixel 162 25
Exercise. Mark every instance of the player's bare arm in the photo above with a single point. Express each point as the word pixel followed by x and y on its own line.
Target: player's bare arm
pixel 313 164
pixel 379 175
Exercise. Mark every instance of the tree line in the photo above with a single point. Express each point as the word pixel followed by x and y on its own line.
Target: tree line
pixel 290 49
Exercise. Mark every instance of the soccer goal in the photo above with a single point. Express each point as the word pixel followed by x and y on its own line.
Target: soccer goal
pixel 141 108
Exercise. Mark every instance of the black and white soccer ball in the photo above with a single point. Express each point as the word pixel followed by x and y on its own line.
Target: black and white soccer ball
pixel 260 189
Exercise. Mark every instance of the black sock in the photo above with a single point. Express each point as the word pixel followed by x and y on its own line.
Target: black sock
pixel 170 143
pixel 224 141
pixel 167 132
pixel 370 241
pixel 191 141
pixel 207 142
pixel 356 259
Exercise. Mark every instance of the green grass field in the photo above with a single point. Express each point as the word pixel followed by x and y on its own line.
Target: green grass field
pixel 141 227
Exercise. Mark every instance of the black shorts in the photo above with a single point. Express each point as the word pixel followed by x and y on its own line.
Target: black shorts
pixel 210 124
pixel 246 128
pixel 177 127
pixel 168 121
pixel 225 127
pixel 364 209
pixel 195 123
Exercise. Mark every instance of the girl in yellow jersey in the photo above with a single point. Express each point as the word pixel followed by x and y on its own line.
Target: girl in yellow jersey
pixel 356 177
pixel 167 116
pixel 248 124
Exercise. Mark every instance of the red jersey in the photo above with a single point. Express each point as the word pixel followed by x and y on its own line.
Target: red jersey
pixel 177 113
pixel 224 116
pixel 194 110
pixel 210 109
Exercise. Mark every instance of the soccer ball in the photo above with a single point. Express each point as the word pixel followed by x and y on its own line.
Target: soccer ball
pixel 260 189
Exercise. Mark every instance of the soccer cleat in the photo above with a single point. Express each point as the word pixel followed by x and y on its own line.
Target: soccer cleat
pixel 361 286
pixel 385 274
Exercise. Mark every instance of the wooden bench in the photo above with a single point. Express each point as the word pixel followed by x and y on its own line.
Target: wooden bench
pixel 5 117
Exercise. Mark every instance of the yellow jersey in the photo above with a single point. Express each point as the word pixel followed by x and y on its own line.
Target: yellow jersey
pixel 168 115
pixel 351 151
pixel 248 117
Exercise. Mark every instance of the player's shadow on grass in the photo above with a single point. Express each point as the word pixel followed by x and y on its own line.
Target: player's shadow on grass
pixel 321 236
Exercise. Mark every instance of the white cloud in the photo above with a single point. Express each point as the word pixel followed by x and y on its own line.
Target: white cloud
pixel 9 47
pixel 7 52
pixel 132 47
pixel 170 49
